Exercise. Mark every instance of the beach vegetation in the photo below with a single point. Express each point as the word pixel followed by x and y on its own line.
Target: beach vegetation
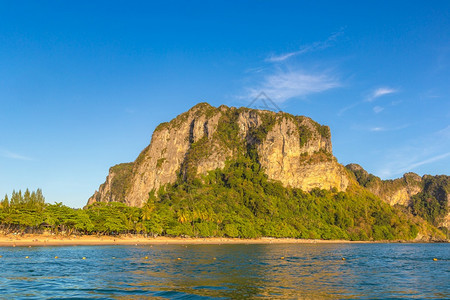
pixel 238 201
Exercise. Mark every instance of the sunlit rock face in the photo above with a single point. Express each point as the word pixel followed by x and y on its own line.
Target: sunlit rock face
pixel 401 191
pixel 294 150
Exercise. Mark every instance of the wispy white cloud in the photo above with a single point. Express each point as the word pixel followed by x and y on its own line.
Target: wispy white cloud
pixel 8 154
pixel 348 107
pixel 316 46
pixel 283 85
pixel 444 133
pixel 380 128
pixel 392 170
pixel 426 161
pixel 255 70
pixel 281 82
pixel 380 92
pixel 416 153
pixel 378 109
pixel 430 94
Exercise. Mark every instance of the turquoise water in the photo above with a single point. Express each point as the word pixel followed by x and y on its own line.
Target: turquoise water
pixel 309 271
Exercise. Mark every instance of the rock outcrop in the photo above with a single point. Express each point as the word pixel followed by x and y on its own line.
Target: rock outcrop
pixel 294 150
pixel 428 191
pixel 397 191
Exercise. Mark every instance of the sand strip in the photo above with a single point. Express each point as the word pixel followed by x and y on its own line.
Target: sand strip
pixel 59 240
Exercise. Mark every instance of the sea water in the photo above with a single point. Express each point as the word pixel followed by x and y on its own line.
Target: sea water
pixel 305 271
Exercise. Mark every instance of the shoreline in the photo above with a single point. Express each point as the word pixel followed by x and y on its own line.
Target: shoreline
pixel 40 240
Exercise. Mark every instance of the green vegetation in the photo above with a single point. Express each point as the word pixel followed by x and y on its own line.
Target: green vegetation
pixel 162 126
pixel 268 120
pixel 240 201
pixel 121 180
pixel 198 150
pixel 228 131
pixel 305 134
pixel 202 108
pixel 28 213
pixel 22 210
pixel 323 130
pixel 316 157
pixel 431 203
pixel 383 188
pixel 160 162
pixel 363 177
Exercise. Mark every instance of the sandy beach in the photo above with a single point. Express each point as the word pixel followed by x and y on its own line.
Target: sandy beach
pixel 36 240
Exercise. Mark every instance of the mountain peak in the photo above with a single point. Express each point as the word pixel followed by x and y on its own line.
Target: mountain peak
pixel 294 150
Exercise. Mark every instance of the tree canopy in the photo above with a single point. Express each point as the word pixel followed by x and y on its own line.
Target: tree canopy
pixel 236 201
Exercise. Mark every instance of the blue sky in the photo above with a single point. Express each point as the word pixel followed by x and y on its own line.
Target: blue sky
pixel 84 83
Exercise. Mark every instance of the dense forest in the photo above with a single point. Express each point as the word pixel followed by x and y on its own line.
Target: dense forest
pixel 28 213
pixel 240 201
pixel 237 201
pixel 431 203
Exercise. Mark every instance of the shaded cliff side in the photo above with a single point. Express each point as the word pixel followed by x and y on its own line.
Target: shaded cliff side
pixel 427 196
pixel 294 150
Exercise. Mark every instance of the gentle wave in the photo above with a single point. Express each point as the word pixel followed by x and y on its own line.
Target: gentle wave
pixel 308 271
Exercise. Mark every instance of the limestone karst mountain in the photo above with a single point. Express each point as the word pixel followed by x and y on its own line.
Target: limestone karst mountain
pixel 294 150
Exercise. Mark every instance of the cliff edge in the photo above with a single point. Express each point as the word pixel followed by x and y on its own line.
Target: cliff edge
pixel 294 150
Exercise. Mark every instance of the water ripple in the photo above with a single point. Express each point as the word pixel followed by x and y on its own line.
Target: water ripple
pixel 307 271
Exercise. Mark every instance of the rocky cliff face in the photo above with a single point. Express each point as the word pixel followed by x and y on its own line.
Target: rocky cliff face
pixel 423 195
pixel 297 151
pixel 398 191
pixel 292 149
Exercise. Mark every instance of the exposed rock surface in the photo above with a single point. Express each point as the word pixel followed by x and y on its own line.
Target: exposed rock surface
pixel 401 191
pixel 398 191
pixel 304 164
pixel 292 149
pixel 114 188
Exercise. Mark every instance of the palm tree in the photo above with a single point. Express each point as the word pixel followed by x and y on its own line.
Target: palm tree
pixel 147 210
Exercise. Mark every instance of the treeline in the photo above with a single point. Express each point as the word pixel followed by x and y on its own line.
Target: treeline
pixel 237 201
pixel 28 213
pixel 432 203
pixel 240 201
